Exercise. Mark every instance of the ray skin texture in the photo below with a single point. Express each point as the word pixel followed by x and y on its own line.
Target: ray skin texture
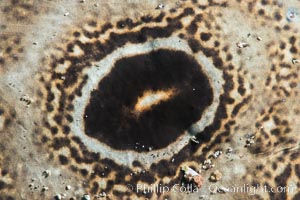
pixel 111 99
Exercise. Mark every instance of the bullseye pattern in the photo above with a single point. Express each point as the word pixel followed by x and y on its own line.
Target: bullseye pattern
pixel 129 100
pixel 102 80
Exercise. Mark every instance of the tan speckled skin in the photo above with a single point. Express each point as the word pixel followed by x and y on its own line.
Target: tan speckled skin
pixel 48 47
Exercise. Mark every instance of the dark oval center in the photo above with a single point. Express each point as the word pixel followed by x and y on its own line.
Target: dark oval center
pixel 178 92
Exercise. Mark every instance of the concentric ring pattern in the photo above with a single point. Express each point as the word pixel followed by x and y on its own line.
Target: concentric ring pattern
pixel 115 102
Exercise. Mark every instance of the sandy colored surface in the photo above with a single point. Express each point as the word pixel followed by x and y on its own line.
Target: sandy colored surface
pixel 248 135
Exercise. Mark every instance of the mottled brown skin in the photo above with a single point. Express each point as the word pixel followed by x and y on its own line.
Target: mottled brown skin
pixel 259 96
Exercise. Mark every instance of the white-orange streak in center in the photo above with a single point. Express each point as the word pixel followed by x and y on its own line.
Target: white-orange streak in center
pixel 151 98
